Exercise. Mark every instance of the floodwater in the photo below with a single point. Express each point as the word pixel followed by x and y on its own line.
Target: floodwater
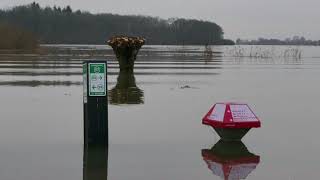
pixel 155 129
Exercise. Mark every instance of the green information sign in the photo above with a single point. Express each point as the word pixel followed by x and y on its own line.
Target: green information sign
pixel 97 79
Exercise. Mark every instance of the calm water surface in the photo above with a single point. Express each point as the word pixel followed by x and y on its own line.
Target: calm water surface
pixel 155 114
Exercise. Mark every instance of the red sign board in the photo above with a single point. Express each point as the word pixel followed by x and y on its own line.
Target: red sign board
pixel 231 115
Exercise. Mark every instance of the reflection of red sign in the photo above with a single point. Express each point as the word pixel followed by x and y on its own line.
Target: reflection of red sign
pixel 230 169
pixel 231 115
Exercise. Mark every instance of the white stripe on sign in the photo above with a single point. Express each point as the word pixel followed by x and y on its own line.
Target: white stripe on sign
pixel 218 112
pixel 241 112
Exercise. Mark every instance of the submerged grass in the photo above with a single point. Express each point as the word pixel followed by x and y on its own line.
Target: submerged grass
pixel 258 52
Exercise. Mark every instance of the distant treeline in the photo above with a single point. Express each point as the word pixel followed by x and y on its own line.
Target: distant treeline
pixel 296 40
pixel 54 25
pixel 12 37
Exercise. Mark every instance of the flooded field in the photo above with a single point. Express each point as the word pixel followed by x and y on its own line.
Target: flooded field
pixel 155 129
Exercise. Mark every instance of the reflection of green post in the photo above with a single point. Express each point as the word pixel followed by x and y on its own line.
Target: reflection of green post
pixel 126 90
pixel 126 50
pixel 95 162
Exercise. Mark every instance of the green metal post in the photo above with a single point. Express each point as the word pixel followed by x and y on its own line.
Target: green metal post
pixel 95 103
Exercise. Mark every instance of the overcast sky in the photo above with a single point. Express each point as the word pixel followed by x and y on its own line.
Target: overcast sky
pixel 246 19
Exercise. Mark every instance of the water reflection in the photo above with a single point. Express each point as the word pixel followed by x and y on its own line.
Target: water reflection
pixel 95 153
pixel 230 160
pixel 61 66
pixel 126 90
pixel 95 162
pixel 210 55
pixel 35 83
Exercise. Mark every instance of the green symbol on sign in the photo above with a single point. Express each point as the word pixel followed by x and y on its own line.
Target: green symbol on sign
pixel 96 69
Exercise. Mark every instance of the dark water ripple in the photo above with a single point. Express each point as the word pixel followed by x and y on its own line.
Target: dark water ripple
pixel 16 68
pixel 48 66
pixel 35 83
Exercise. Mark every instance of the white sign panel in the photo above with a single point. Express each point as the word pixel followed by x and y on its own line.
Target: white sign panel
pixel 242 113
pixel 218 112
